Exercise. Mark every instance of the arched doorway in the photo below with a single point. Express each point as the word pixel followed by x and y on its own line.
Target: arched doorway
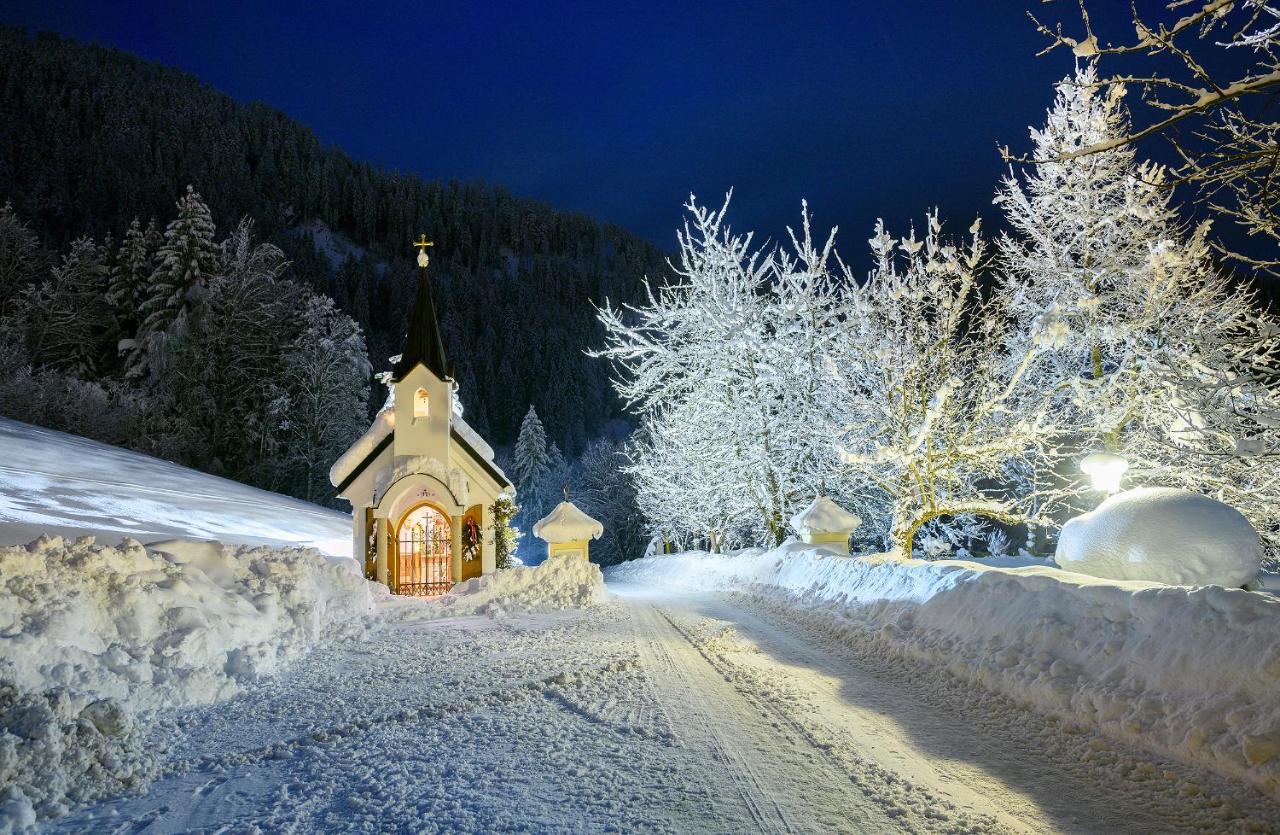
pixel 422 566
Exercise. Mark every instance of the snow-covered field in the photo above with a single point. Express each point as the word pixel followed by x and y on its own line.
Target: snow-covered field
pixel 1191 672
pixel 55 483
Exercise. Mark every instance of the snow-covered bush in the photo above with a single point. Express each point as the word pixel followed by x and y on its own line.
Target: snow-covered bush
pixel 1162 534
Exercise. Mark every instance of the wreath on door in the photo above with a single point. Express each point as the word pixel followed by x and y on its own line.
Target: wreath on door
pixel 470 539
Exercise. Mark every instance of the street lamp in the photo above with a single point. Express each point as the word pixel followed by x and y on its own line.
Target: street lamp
pixel 1105 470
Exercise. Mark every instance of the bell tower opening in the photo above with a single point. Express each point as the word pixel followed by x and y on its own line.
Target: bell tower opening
pixel 421 407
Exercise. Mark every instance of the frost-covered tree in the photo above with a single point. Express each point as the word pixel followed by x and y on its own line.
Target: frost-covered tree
pixel 19 257
pixel 729 347
pixel 1149 352
pixel 1208 72
pixel 531 463
pixel 326 373
pixel 130 280
pixel 185 262
pixel 64 314
pixel 605 490
pixel 925 414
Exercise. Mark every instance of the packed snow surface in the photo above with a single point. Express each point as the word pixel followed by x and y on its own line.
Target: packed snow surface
pixel 567 523
pixel 824 516
pixel 52 482
pixel 1191 672
pixel 1163 535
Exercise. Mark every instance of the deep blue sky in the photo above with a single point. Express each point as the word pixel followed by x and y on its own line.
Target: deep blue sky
pixel 620 110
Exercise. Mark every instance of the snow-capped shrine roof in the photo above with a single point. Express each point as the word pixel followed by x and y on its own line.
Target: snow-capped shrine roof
pixel 567 523
pixel 824 516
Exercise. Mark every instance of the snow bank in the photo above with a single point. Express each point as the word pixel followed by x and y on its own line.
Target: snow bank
pixel 178 623
pixel 558 583
pixel 1193 673
pixel 1164 535
pixel 91 635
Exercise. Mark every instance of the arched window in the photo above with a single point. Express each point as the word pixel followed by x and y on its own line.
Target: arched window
pixel 420 404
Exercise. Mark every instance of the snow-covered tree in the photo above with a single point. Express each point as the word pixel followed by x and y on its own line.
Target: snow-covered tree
pixel 728 347
pixel 606 491
pixel 531 463
pixel 327 380
pixel 1208 73
pixel 19 257
pixel 130 279
pixel 1150 353
pixel 64 314
pixel 185 262
pixel 924 412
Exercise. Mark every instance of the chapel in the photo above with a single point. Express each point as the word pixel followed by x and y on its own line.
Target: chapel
pixel 421 482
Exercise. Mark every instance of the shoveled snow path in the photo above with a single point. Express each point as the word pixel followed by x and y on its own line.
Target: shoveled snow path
pixel 655 712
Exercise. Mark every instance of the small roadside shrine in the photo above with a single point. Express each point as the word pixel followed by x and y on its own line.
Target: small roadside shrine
pixel 567 530
pixel 827 524
pixel 421 482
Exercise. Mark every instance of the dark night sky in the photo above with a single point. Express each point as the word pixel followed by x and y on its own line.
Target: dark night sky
pixel 620 110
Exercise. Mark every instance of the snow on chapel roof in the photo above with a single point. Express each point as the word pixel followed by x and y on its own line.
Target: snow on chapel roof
pixel 824 516
pixel 567 523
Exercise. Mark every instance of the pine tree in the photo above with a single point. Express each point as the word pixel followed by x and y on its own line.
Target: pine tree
pixel 326 376
pixel 531 461
pixel 130 277
pixel 19 257
pixel 64 314
pixel 185 262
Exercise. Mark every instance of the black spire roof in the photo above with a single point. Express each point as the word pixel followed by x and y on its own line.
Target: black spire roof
pixel 423 344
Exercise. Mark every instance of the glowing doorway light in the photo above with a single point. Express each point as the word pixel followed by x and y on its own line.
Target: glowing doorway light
pixel 1105 470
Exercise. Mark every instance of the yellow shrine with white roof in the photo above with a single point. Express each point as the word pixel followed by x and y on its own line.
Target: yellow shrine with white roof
pixel 421 482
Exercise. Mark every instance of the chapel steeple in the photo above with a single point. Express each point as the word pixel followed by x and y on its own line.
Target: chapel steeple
pixel 423 344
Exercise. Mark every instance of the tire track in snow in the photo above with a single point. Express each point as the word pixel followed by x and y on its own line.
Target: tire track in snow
pixel 779 793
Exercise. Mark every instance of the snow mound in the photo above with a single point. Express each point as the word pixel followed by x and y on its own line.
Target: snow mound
pixel 92 635
pixel 179 623
pixel 1192 673
pixel 1164 535
pixel 560 582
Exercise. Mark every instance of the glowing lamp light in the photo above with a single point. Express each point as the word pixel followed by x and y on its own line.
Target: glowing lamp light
pixel 1105 470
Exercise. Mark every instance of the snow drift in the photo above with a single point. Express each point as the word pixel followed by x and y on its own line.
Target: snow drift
pixel 1165 535
pixel 91 635
pixel 1193 673
pixel 560 582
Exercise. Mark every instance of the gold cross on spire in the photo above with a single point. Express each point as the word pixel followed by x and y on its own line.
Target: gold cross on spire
pixel 422 243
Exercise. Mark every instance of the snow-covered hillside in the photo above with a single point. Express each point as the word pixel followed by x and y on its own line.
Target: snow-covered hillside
pixel 55 483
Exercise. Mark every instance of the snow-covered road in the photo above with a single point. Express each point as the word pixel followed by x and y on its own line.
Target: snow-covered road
pixel 652 712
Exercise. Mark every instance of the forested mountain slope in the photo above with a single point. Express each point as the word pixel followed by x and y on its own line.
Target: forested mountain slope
pixel 91 138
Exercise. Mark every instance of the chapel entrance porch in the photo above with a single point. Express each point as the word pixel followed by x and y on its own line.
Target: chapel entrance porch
pixel 421 564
